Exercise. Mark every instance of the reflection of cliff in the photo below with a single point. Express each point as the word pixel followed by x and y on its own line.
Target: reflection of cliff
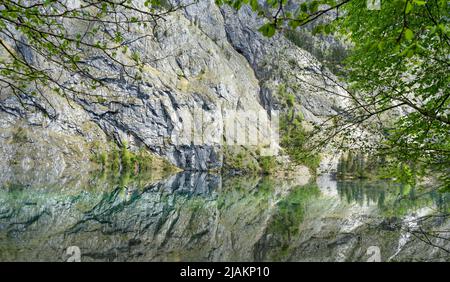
pixel 398 200
pixel 188 216
pixel 285 224
pixel 193 217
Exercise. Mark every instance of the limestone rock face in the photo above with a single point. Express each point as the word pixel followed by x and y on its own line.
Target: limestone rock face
pixel 277 61
pixel 202 58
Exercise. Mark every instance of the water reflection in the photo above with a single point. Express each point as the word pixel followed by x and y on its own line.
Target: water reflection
pixel 394 198
pixel 209 217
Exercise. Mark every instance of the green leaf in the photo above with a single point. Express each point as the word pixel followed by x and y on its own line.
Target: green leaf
pixel 294 24
pixel 304 7
pixel 254 5
pixel 409 34
pixel 409 7
pixel 268 29
pixel 420 2
pixel 314 6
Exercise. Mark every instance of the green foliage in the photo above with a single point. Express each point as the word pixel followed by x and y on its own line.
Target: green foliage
pixel 399 58
pixel 267 29
pixel 357 164
pixel 397 201
pixel 405 174
pixel 267 164
pixel 294 140
pixel 240 159
pixel 293 137
pixel 125 157
pixel 248 161
pixel 40 27
pixel 279 16
pixel 423 141
pixel 290 100
pixel 115 160
pixel 233 161
pixel 103 159
pixel 143 160
pixel 291 210
pixel 290 213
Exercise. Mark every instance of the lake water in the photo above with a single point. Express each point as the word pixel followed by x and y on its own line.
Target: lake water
pixel 206 217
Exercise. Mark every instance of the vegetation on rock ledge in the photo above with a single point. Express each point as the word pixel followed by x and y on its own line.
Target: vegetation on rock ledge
pixel 120 160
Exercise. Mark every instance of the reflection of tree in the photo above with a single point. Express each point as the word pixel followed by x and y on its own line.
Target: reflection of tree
pixel 291 210
pixel 361 192
pixel 392 199
pixel 285 223
pixel 422 228
pixel 395 201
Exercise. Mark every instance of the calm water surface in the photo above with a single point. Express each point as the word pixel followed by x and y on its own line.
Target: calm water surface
pixel 204 217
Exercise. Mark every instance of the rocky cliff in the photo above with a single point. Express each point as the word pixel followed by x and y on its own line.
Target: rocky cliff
pixel 203 57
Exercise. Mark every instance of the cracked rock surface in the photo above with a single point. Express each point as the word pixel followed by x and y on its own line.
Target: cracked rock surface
pixel 202 58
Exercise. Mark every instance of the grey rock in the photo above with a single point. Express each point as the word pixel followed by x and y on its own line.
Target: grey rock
pixel 204 57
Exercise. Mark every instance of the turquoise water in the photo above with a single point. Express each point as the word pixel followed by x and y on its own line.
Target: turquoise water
pixel 206 217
